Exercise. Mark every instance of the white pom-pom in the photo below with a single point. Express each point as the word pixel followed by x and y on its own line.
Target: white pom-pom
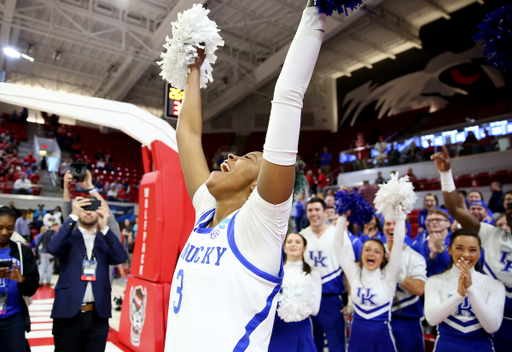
pixel 395 198
pixel 297 298
pixel 192 29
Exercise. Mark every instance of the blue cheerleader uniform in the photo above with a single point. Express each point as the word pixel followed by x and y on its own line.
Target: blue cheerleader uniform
pixel 296 336
pixel 372 294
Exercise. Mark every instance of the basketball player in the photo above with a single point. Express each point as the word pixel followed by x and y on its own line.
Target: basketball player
pixel 223 294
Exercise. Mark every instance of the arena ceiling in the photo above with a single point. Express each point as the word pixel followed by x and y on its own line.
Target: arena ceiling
pixel 109 48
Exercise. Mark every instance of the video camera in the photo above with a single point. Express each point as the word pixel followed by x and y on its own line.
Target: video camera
pixel 78 170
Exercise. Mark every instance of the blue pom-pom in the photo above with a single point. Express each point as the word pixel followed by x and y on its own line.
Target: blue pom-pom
pixel 342 6
pixel 496 33
pixel 362 212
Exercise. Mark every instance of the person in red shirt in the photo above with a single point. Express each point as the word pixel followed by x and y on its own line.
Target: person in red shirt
pixel 321 181
pixel 35 178
pixel 361 154
pixel 311 182
pixel 29 160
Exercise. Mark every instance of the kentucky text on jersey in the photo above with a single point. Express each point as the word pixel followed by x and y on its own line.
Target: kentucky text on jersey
pixel 202 255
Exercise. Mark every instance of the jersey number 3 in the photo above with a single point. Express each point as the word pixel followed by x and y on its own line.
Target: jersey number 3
pixel 177 305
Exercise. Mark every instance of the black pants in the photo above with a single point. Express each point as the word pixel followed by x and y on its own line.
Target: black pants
pixel 12 334
pixel 85 332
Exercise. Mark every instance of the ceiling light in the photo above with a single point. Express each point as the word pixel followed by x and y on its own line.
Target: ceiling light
pixel 26 57
pixel 12 52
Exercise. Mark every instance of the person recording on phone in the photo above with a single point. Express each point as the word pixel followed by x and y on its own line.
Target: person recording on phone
pixel 85 247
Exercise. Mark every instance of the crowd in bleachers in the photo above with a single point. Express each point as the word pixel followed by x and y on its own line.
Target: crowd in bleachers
pixel 18 173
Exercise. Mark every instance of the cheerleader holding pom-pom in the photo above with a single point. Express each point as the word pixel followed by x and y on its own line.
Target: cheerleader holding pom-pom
pixel 299 299
pixel 373 282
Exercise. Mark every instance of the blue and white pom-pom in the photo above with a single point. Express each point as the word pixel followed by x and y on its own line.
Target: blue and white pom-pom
pixel 192 29
pixel 342 6
pixel 296 299
pixel 362 212
pixel 496 34
pixel 395 198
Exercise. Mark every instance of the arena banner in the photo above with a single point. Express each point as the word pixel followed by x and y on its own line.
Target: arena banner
pixel 450 65
pixel 142 325
pixel 122 212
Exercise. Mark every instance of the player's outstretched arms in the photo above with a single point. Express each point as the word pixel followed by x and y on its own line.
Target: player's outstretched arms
pixel 452 200
pixel 189 130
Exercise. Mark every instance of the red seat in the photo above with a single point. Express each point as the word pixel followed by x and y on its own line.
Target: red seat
pixel 482 179
pixel 420 185
pixel 465 181
pixel 434 184
pixel 502 176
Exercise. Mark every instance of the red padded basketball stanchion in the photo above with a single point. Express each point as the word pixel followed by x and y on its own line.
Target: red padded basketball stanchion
pixel 166 218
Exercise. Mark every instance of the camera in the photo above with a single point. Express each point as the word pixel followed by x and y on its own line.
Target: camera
pixel 95 204
pixel 78 170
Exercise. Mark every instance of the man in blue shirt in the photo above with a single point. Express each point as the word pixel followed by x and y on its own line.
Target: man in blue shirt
pixel 22 226
pixel 325 161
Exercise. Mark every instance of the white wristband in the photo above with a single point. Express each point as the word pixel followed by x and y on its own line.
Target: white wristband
pixel 447 184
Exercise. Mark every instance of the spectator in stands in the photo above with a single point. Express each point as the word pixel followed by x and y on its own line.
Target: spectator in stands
pixel 112 193
pixel 30 170
pixel 58 214
pixel 39 216
pixel 299 211
pixel 507 199
pixel 316 160
pixel 479 210
pixel 50 218
pixel 380 180
pixel 98 184
pixel 9 177
pixel 15 117
pixel 46 259
pixel 99 155
pixel 331 216
pixel 29 160
pixel 325 161
pixel 429 151
pixel 23 186
pixel 321 181
pixel 330 200
pixel 394 156
pixel 414 154
pixel 430 202
pixel 477 195
pixel 496 201
pixel 125 186
pixel 23 115
pixel 361 152
pixel 488 143
pixel 368 192
pixel 412 177
pixel 470 145
pixel 382 147
pixel 100 164
pixel 311 182
pixel 35 178
pixel 371 230
pixel 108 157
pixel 22 226
pixel 501 222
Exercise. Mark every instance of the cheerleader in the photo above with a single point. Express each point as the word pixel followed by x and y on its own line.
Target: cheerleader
pixel 467 306
pixel 299 299
pixel 496 242
pixel 373 285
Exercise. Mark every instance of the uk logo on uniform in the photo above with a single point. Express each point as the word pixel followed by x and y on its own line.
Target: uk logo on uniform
pixel 214 234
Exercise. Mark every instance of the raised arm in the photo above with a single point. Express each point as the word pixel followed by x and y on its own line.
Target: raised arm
pixel 189 130
pixel 277 175
pixel 395 259
pixel 347 264
pixel 452 200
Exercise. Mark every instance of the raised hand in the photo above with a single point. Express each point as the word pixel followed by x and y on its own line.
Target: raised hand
pixel 78 204
pixel 87 182
pixel 442 160
pixel 103 216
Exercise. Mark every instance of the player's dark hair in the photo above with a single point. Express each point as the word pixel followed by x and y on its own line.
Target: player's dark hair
pixel 6 211
pixel 316 200
pixel 465 232
pixel 305 266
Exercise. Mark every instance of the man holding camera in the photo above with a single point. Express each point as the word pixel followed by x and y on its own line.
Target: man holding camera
pixel 83 293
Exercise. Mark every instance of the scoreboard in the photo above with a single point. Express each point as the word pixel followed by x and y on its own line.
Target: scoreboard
pixel 173 100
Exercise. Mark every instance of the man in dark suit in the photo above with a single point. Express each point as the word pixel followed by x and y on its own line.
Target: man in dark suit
pixel 85 247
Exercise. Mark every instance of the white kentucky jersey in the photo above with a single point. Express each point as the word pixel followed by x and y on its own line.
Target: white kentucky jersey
pixel 220 300
pixel 462 320
pixel 321 255
pixel 372 294
pixel 498 259
pixel 414 266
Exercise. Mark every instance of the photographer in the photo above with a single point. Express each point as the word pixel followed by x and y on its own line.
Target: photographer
pixel 18 278
pixel 83 293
